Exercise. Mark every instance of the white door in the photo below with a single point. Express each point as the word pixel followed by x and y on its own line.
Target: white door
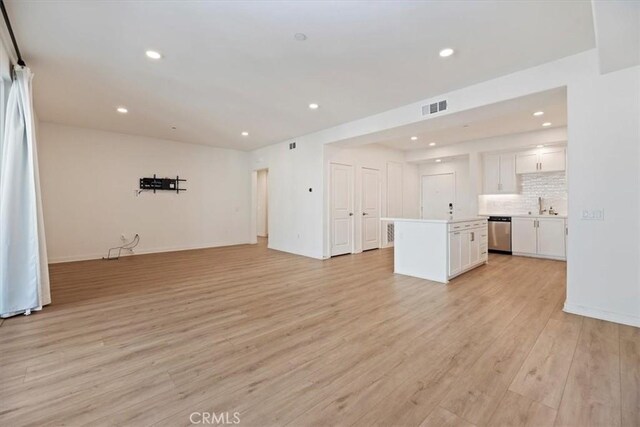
pixel 527 163
pixel 551 240
pixel 341 200
pixel 508 182
pixel 438 192
pixel 492 174
pixel 454 253
pixel 552 160
pixel 524 236
pixel 370 209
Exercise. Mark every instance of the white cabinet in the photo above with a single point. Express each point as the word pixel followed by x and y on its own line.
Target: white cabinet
pixel 551 237
pixel 467 246
pixel 500 174
pixel 455 263
pixel 465 250
pixel 553 160
pixel 524 238
pixel 508 177
pixel 474 247
pixel 539 236
pixel 544 160
pixel 527 163
pixel 491 173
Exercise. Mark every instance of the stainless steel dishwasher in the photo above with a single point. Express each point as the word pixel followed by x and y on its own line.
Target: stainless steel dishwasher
pixel 500 234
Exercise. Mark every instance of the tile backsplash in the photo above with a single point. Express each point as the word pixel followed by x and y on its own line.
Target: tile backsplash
pixel 552 187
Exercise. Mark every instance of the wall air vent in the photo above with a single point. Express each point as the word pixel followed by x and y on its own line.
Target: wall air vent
pixel 390 233
pixel 433 108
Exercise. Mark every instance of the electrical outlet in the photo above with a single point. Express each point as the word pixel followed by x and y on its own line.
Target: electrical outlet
pixel 593 215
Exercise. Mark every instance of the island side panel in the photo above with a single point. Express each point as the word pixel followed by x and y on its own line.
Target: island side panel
pixel 420 250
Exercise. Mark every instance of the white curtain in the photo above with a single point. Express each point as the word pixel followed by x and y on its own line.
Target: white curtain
pixel 24 274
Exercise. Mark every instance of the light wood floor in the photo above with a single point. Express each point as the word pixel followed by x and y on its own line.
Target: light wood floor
pixel 283 339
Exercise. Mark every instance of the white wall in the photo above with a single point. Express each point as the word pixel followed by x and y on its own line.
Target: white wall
pixel 604 133
pixel 374 157
pixel 464 199
pixel 262 204
pixel 88 181
pixel 296 220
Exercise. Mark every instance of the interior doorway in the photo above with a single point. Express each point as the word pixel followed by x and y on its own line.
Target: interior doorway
pixel 437 196
pixel 262 204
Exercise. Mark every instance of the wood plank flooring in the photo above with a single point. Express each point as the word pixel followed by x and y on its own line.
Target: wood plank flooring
pixel 286 340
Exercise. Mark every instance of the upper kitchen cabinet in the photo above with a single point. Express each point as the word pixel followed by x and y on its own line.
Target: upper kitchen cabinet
pixel 553 160
pixel 500 174
pixel 547 160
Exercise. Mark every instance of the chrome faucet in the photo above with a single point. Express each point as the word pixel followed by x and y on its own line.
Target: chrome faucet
pixel 540 210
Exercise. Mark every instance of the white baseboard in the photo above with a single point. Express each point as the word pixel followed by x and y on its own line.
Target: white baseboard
pixel 555 258
pixel 305 254
pixel 87 257
pixel 624 319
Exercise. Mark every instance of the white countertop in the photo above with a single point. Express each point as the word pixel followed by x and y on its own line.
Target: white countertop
pixel 437 221
pixel 522 215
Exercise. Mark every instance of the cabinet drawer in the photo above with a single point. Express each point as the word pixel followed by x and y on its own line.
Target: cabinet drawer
pixel 457 226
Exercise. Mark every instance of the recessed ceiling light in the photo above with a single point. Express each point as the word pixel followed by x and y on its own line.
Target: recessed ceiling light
pixel 438 160
pixel 546 124
pixel 122 110
pixel 152 54
pixel 300 37
pixel 414 138
pixel 314 106
pixel 539 146
pixel 432 144
pixel 446 52
pixel 245 133
pixel 538 113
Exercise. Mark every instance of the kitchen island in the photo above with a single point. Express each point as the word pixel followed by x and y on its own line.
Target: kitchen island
pixel 438 249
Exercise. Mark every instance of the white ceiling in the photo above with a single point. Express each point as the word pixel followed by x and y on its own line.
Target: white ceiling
pixel 235 66
pixel 502 118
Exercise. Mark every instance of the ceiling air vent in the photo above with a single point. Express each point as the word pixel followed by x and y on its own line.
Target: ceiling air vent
pixel 436 107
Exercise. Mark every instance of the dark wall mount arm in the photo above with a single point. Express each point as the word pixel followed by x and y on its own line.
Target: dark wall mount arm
pixel 162 184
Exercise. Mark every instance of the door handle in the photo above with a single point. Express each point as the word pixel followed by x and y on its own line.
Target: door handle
pixel 350 213
pixel 364 213
pixel 473 236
